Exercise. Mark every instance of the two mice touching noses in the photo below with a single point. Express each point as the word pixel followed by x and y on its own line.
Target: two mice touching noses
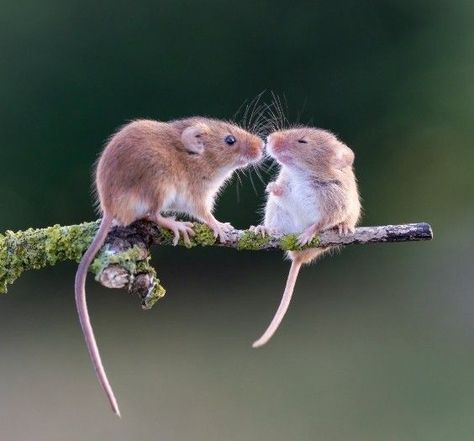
pixel 150 168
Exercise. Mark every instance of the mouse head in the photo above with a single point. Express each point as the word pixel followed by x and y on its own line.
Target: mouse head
pixel 224 145
pixel 311 150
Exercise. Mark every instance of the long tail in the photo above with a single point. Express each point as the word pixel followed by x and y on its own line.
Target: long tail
pixel 81 304
pixel 284 304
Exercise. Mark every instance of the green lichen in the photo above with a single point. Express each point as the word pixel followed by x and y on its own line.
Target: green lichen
pixel 252 241
pixel 157 292
pixel 290 243
pixel 126 259
pixel 203 236
pixel 37 248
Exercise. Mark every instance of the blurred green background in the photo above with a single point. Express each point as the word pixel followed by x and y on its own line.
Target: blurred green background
pixel 378 344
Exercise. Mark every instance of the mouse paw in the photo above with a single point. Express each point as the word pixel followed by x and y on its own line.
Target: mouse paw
pixel 260 229
pixel 179 229
pixel 275 189
pixel 344 229
pixel 221 230
pixel 308 235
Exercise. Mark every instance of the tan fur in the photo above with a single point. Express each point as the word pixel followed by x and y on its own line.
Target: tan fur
pixel 316 179
pixel 151 167
pixel 146 159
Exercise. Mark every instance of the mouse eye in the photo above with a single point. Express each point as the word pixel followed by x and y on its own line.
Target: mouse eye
pixel 302 141
pixel 229 139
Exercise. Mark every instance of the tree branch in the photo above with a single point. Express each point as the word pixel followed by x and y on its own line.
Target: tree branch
pixel 124 259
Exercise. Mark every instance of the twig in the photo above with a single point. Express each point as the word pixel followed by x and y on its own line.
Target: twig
pixel 124 259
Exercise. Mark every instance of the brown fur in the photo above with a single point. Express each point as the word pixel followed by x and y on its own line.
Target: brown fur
pixel 150 167
pixel 146 158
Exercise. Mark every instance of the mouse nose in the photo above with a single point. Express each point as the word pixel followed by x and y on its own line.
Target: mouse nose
pixel 272 141
pixel 254 148
pixel 268 141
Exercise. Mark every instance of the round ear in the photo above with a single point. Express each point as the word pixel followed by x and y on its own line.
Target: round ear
pixel 344 157
pixel 192 138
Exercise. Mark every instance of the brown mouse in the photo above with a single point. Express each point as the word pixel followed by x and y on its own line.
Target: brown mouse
pixel 315 190
pixel 150 168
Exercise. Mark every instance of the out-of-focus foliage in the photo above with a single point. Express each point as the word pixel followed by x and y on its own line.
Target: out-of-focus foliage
pixel 378 342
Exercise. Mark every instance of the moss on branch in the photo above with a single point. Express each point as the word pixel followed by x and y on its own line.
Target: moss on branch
pixel 124 259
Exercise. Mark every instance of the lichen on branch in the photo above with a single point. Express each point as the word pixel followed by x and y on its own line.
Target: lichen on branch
pixel 36 248
pixel 124 261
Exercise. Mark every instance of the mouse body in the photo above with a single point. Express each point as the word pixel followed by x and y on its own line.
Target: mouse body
pixel 151 169
pixel 315 190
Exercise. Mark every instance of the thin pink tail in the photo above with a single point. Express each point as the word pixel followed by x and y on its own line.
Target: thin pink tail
pixel 284 304
pixel 81 304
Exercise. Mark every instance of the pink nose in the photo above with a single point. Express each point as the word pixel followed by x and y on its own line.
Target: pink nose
pixel 255 148
pixel 275 143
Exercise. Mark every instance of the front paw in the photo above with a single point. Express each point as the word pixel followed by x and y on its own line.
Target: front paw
pixel 261 229
pixel 221 230
pixel 275 189
pixel 344 229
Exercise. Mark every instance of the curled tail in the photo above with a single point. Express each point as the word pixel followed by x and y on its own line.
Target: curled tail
pixel 284 304
pixel 81 304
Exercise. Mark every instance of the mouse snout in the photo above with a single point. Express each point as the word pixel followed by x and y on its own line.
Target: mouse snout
pixel 274 143
pixel 254 148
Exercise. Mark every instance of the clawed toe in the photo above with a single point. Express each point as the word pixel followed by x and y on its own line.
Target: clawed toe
pixel 178 228
pixel 308 235
pixel 344 229
pixel 259 229
pixel 221 230
pixel 303 239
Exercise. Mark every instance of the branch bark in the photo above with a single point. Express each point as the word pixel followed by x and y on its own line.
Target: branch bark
pixel 124 259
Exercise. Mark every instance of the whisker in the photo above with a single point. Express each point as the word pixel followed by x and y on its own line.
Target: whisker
pixel 237 192
pixel 300 112
pixel 273 124
pixel 256 112
pixel 253 184
pixel 257 119
pixel 272 166
pixel 257 173
pixel 235 117
pixel 280 109
pixel 238 184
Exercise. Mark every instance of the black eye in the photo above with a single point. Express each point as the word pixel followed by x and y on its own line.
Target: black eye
pixel 229 139
pixel 302 141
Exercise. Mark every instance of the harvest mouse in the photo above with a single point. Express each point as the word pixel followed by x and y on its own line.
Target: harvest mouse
pixel 315 190
pixel 149 168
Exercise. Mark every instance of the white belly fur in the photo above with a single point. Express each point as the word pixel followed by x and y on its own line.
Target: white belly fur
pixel 296 210
pixel 176 202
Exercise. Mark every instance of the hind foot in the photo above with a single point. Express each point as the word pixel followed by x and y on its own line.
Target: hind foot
pixel 179 228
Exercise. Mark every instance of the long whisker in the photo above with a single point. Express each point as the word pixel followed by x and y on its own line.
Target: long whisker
pixel 273 123
pixel 238 184
pixel 300 112
pixel 253 184
pixel 280 109
pixel 257 173
pixel 256 112
pixel 235 117
pixel 260 126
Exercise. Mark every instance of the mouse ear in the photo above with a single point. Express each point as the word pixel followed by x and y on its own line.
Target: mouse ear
pixel 192 138
pixel 344 157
